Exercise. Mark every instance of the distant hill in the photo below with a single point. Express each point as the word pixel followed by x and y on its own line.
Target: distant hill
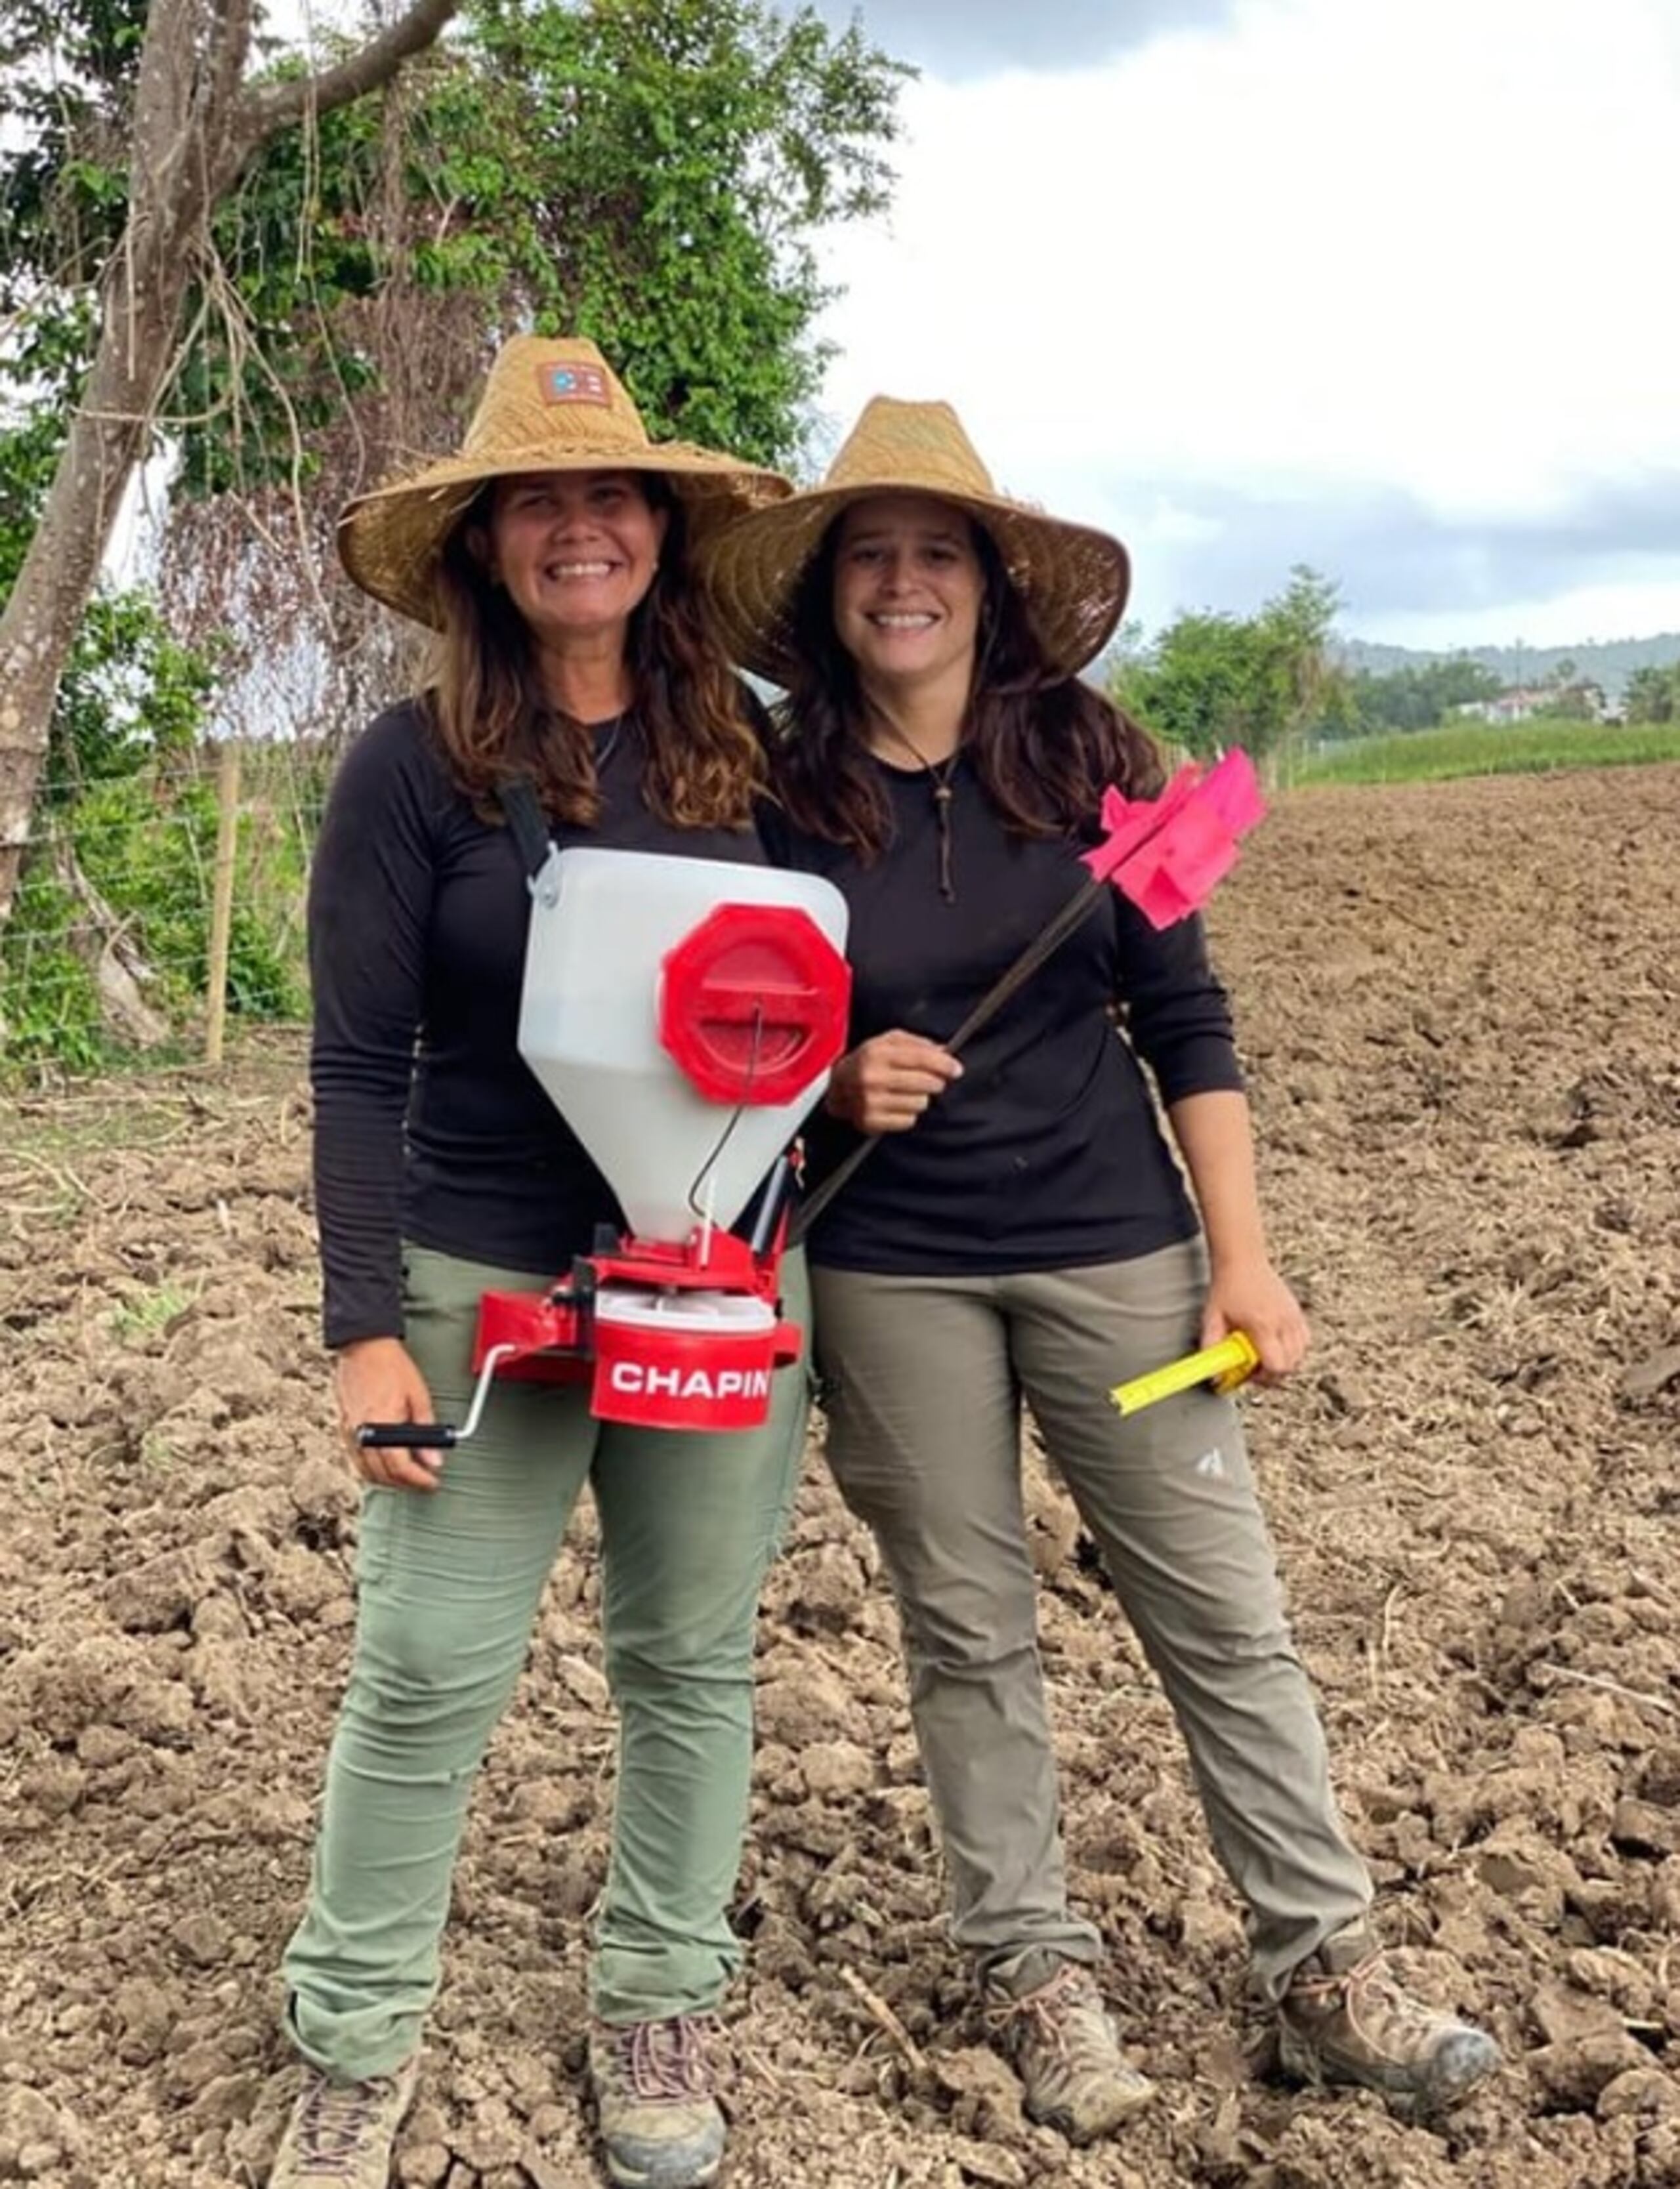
pixel 1608 663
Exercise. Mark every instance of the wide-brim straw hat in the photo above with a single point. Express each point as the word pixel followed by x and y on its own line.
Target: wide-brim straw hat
pixel 550 404
pixel 1073 579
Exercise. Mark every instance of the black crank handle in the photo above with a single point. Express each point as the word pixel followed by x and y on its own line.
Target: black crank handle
pixel 435 1436
pixel 407 1436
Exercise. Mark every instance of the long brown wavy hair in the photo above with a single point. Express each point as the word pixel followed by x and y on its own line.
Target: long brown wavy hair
pixel 705 763
pixel 1044 744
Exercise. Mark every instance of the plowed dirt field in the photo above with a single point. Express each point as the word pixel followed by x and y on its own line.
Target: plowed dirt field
pixel 1460 1005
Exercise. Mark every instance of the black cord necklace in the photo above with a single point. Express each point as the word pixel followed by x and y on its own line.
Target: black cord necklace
pixel 939 773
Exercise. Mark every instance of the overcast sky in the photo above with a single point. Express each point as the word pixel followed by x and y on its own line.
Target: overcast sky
pixel 1383 286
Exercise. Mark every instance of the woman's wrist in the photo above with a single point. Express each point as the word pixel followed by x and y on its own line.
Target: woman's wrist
pixel 1232 1252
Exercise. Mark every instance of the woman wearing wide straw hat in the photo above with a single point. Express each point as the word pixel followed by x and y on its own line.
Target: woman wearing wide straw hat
pixel 549 556
pixel 1021 1231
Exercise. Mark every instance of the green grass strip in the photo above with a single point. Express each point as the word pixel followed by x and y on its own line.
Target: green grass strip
pixel 1460 749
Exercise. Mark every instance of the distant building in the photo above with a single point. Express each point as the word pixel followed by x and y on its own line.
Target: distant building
pixel 1584 702
pixel 1515 705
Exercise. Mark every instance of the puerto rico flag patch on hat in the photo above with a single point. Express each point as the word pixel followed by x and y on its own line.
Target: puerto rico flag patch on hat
pixel 573 383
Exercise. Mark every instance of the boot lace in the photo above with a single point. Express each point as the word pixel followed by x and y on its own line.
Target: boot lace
pixel 664 2061
pixel 1381 2013
pixel 1065 2016
pixel 334 2119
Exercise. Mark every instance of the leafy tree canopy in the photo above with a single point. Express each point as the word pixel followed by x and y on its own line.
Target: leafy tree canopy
pixel 649 172
pixel 1210 681
pixel 1652 694
pixel 1417 696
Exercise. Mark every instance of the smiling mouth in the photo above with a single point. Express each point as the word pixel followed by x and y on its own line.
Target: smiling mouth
pixel 570 570
pixel 883 621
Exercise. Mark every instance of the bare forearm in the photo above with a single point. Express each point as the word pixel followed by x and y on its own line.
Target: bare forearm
pixel 1213 1132
pixel 1244 1291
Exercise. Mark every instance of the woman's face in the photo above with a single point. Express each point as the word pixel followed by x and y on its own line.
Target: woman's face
pixel 908 588
pixel 575 551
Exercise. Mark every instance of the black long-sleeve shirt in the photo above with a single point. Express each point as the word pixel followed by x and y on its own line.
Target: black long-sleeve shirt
pixel 428 1124
pixel 1047 1153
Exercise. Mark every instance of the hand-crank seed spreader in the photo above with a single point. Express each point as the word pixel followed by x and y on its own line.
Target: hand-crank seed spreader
pixel 682 1015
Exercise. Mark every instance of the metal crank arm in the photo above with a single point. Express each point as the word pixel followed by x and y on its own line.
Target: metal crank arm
pixel 435 1436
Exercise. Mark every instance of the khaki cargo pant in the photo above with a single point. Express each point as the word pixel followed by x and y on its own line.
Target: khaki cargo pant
pixel 449 1586
pixel 924 1380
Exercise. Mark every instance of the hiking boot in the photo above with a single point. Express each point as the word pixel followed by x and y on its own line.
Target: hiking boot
pixel 340 2134
pixel 660 2121
pixel 1344 2019
pixel 1061 2043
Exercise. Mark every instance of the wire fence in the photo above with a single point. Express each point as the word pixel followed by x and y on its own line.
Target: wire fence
pixel 156 906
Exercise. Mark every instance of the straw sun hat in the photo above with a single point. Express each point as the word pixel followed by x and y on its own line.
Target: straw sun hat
pixel 550 404
pixel 1074 581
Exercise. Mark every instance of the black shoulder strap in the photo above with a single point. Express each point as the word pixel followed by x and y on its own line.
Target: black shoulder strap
pixel 524 816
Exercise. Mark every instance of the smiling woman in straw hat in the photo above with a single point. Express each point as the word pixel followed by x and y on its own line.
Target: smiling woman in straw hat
pixel 549 556
pixel 1022 1232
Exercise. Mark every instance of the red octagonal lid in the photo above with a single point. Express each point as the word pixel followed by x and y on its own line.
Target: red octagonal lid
pixel 754 1003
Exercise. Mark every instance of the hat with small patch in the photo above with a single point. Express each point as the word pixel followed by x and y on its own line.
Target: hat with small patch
pixel 551 404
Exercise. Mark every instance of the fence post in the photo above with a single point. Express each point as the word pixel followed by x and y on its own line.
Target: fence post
pixel 222 899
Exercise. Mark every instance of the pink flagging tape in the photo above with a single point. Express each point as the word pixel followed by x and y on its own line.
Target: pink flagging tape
pixel 1167 854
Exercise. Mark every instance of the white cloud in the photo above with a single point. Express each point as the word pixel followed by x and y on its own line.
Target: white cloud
pixel 1340 247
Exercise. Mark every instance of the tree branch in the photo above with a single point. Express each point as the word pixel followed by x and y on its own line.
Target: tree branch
pixel 274 106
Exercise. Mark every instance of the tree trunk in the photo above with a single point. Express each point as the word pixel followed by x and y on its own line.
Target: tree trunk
pixel 119 972
pixel 107 440
pixel 191 62
pixel 195 126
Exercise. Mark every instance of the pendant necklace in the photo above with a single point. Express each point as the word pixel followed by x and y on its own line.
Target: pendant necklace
pixel 939 773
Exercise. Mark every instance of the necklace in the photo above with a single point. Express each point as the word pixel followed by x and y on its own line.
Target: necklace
pixel 607 735
pixel 939 773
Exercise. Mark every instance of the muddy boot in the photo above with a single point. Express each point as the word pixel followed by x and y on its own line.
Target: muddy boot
pixel 1344 2019
pixel 1064 2047
pixel 340 2135
pixel 660 2122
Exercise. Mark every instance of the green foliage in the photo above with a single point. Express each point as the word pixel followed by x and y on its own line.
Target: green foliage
pixel 125 791
pixel 1542 746
pixel 69 67
pixel 1416 698
pixel 273 368
pixel 1652 694
pixel 1208 680
pixel 150 848
pixel 646 173
pixel 146 842
pixel 132 695
pixel 147 1314
pixel 28 452
pixel 51 350
pixel 704 139
pixel 49 1005
pixel 130 708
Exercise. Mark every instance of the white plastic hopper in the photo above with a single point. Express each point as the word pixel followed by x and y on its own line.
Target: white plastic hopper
pixel 602 924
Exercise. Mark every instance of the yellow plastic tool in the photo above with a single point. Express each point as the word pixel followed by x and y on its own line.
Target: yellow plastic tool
pixel 1232 1361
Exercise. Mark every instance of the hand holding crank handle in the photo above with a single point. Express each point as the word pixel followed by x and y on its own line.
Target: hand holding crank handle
pixel 435 1436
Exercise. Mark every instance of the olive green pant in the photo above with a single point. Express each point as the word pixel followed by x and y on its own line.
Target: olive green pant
pixel 449 1587
pixel 924 1379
